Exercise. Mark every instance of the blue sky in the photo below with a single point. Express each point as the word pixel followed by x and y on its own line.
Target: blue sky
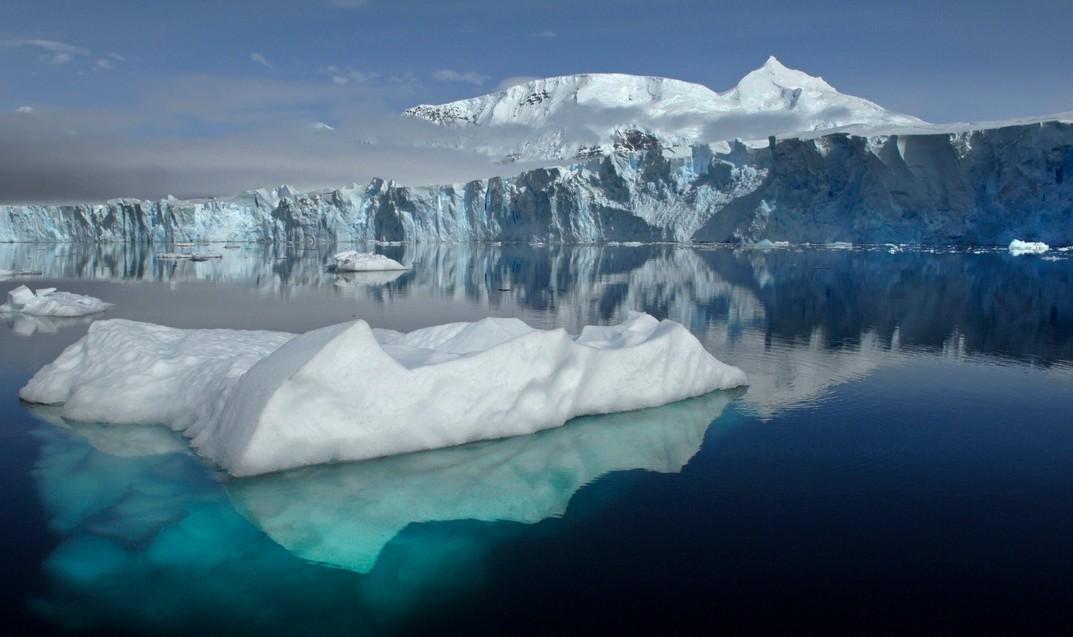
pixel 199 69
pixel 940 60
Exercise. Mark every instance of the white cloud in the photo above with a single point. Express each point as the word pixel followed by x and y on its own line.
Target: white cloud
pixel 56 53
pixel 451 75
pixel 50 52
pixel 545 33
pixel 257 58
pixel 514 80
pixel 25 110
pixel 342 77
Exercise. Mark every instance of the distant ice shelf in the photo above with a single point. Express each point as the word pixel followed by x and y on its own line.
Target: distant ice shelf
pixel 257 402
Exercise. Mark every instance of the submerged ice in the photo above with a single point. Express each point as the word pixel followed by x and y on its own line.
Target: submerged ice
pixel 256 402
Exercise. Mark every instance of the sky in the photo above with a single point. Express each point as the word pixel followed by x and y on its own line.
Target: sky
pixel 118 97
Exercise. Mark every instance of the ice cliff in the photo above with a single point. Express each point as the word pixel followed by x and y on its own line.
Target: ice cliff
pixel 983 186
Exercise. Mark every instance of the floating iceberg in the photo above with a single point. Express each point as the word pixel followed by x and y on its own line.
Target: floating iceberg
pixel 768 244
pixel 256 402
pixel 354 261
pixel 1018 247
pixel 49 302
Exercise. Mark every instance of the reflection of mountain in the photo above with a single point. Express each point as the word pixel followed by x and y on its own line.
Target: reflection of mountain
pixel 344 515
pixel 796 321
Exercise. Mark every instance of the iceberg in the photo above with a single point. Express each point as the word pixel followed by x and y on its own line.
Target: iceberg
pixel 49 302
pixel 354 261
pixel 258 402
pixel 1018 247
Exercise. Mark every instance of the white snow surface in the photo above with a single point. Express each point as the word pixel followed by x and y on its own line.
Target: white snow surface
pixel 1018 247
pixel 556 117
pixel 354 261
pixel 257 402
pixel 49 302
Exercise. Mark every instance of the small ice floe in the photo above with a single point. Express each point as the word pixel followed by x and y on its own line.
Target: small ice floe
pixel 49 302
pixel 768 244
pixel 1065 248
pixel 257 402
pixel 173 256
pixel 840 245
pixel 205 257
pixel 354 261
pixel 1018 247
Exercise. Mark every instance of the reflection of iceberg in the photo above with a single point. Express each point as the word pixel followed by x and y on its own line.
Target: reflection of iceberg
pixel 344 515
pixel 28 325
pixel 371 277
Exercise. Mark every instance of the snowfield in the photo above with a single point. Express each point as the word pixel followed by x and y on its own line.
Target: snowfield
pixel 49 302
pixel 257 402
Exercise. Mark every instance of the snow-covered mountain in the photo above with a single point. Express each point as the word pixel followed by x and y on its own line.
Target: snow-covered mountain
pixel 574 116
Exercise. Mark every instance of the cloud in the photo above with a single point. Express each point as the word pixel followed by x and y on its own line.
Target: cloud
pixel 545 33
pixel 342 77
pixel 25 110
pixel 221 135
pixel 56 53
pixel 451 75
pixel 50 52
pixel 257 58
pixel 514 80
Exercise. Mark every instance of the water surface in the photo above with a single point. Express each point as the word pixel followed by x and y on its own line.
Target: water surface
pixel 902 459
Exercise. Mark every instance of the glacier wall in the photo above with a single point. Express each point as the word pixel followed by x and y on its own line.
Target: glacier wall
pixel 980 187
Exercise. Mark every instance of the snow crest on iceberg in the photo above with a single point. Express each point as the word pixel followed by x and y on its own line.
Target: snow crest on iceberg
pixel 257 402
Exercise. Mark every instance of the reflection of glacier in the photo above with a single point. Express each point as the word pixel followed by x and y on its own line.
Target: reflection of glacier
pixel 796 321
pixel 344 515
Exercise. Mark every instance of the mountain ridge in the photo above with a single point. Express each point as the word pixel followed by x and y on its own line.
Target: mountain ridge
pixel 580 115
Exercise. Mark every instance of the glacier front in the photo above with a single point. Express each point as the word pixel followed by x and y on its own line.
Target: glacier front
pixel 964 186
pixel 265 401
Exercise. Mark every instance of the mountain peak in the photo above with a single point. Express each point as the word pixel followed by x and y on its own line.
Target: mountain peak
pixel 773 63
pixel 576 115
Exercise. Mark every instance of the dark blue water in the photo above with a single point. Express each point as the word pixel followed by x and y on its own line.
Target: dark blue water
pixel 901 462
